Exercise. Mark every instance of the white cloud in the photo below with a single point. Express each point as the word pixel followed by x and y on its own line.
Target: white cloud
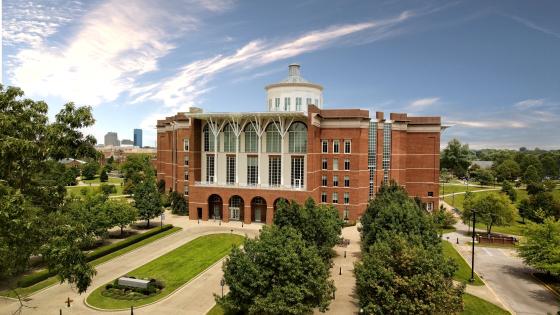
pixel 534 26
pixel 424 102
pixel 528 103
pixel 114 44
pixel 184 88
pixel 489 124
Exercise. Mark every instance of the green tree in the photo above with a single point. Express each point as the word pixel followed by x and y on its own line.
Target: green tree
pixel 541 248
pixel 70 175
pixel 543 205
pixel 103 177
pixel 524 208
pixel 509 190
pixel 319 225
pixel 443 219
pixel 484 176
pixel 550 166
pixel 121 213
pixel 392 211
pixel 147 200
pixel 33 187
pixel 138 168
pixel 398 275
pixel 90 169
pixel 508 170
pixel 491 209
pixel 531 175
pixel 456 157
pixel 277 273
pixel 178 203
pixel 108 189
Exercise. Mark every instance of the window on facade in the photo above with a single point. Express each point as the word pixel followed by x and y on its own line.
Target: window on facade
pixel 286 104
pixel 298 104
pixel 308 101
pixel 323 197
pixel 186 161
pixel 210 168
pixel 430 193
pixel 274 170
pixel 297 138
pixel 335 181
pixel 347 146
pixel 230 169
pixel 186 192
pixel 324 146
pixel 297 171
pixel 372 159
pixel 334 197
pixel 335 164
pixel 430 206
pixel 346 198
pixel 186 175
pixel 186 144
pixel 230 140
pixel 336 146
pixel 346 181
pixel 347 164
pixel 251 139
pixel 324 180
pixel 346 214
pixel 324 164
pixel 277 104
pixel 273 139
pixel 252 170
pixel 386 150
pixel 208 139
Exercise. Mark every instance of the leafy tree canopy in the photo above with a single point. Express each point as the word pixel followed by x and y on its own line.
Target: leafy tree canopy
pixel 491 209
pixel 147 200
pixel 456 157
pixel 541 248
pixel 508 170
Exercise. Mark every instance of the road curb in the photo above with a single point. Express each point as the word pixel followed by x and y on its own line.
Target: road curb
pixel 546 285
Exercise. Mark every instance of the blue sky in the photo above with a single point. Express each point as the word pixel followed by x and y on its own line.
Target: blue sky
pixel 489 68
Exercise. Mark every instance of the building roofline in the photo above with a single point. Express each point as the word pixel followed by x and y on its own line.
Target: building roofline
pixel 288 84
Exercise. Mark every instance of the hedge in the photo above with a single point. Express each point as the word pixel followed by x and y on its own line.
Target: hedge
pixel 29 280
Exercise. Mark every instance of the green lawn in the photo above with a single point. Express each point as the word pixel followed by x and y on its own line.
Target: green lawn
pixel 452 188
pixel 76 190
pixel 53 280
pixel 473 306
pixel 114 180
pixel 462 274
pixel 174 268
pixel 477 306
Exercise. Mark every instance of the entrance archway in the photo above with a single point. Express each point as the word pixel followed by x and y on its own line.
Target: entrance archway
pixel 258 209
pixel 215 207
pixel 236 206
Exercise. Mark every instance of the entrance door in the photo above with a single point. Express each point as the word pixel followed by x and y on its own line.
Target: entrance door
pixel 235 213
pixel 217 212
pixel 258 214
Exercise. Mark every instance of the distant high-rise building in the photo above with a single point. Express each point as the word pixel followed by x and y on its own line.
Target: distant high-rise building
pixel 111 138
pixel 138 138
pixel 127 142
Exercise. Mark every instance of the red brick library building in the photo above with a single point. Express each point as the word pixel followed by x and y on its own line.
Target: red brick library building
pixel 238 165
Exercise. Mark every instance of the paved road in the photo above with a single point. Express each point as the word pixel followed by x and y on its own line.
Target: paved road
pixel 507 276
pixel 346 301
pixel 194 298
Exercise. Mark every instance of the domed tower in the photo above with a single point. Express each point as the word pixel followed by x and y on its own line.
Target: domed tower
pixel 294 93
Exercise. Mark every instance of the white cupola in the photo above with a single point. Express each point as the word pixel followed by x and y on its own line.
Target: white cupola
pixel 294 93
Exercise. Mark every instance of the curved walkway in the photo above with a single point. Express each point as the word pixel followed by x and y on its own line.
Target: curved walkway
pixel 194 298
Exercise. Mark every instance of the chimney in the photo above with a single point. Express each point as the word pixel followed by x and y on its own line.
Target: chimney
pixel 293 70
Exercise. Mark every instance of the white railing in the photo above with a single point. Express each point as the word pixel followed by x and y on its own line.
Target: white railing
pixel 248 186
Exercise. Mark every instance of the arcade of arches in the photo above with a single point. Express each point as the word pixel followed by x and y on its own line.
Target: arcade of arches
pixel 237 208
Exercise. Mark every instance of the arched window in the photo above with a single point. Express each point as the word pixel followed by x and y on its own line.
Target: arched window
pixel 273 139
pixel 251 139
pixel 230 140
pixel 297 137
pixel 208 139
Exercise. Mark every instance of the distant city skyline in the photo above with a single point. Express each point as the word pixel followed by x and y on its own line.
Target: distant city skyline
pixel 490 69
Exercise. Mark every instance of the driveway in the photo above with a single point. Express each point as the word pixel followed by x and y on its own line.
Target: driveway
pixel 194 298
pixel 507 275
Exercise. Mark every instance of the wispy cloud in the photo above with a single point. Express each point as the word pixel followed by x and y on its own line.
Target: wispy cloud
pixel 113 45
pixel 534 26
pixel 184 88
pixel 488 124
pixel 529 103
pixel 423 102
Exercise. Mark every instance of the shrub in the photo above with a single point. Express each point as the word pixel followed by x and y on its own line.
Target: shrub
pixel 108 189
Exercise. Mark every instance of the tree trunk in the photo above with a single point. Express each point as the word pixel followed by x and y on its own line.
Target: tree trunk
pixel 148 225
pixel 122 230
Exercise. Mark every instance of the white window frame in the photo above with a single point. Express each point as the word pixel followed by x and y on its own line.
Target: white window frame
pixel 324 146
pixel 335 164
pixel 336 146
pixel 347 145
pixel 186 145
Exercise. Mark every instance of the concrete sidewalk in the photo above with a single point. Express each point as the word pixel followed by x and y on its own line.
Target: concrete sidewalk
pixel 196 297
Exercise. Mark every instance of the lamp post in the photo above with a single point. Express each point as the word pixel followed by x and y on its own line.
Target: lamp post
pixel 222 283
pixel 473 239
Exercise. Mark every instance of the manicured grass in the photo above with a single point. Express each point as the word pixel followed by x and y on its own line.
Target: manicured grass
pixel 453 188
pixel 174 268
pixel 76 190
pixel 478 306
pixel 53 280
pixel 216 310
pixel 463 274
pixel 114 180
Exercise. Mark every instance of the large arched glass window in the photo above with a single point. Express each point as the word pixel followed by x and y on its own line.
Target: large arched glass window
pixel 251 139
pixel 297 137
pixel 230 140
pixel 273 139
pixel 208 139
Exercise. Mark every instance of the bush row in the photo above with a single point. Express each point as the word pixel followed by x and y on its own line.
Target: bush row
pixel 29 280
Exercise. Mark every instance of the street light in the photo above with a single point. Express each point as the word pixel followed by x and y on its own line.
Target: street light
pixel 473 239
pixel 222 283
